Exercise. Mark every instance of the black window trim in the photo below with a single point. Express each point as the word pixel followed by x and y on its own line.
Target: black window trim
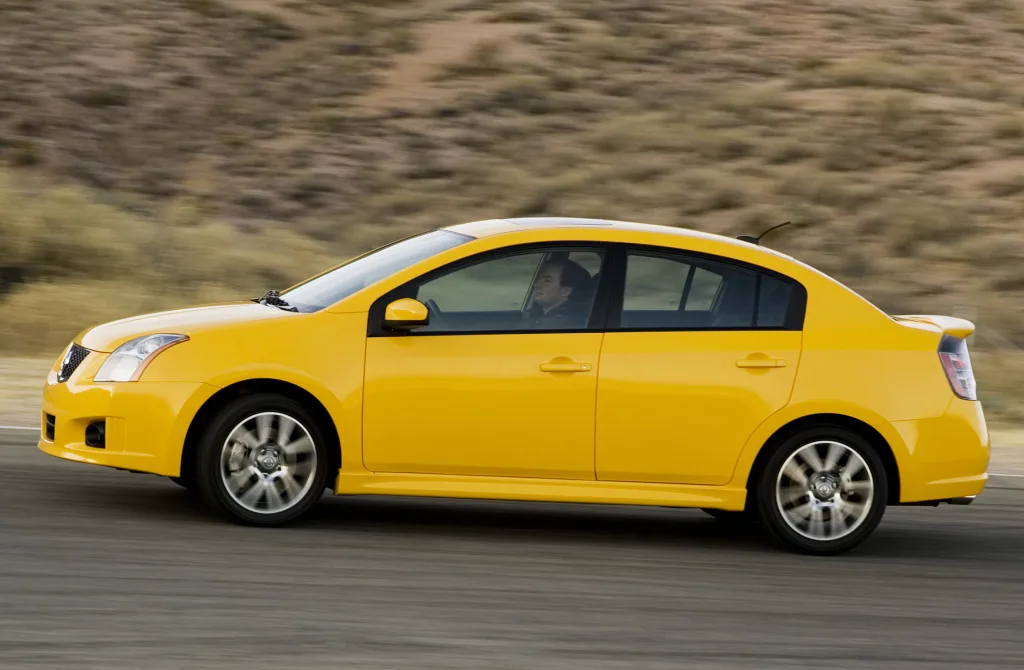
pixel 795 316
pixel 599 311
pixel 606 314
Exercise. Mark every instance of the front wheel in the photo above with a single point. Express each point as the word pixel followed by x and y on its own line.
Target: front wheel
pixel 262 460
pixel 823 491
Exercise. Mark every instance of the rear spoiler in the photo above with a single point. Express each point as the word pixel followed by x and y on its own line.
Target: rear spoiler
pixel 949 325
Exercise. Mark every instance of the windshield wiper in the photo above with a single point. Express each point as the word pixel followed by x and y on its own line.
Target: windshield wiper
pixel 274 298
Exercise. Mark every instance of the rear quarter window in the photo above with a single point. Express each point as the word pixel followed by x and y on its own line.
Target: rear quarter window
pixel 773 302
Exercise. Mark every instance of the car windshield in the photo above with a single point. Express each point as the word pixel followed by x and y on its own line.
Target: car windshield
pixel 360 272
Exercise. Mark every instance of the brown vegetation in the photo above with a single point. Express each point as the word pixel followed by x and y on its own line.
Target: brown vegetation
pixel 223 147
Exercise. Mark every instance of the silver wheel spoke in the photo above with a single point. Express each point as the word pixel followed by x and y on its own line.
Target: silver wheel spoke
pixel 837 521
pixel 264 422
pixel 252 497
pixel 802 512
pixel 245 438
pixel 299 447
pixel 835 452
pixel 267 471
pixel 852 509
pixel 854 467
pixel 810 456
pixel 793 494
pixel 243 477
pixel 291 485
pixel 817 525
pixel 860 487
pixel 796 474
pixel 274 500
pixel 285 426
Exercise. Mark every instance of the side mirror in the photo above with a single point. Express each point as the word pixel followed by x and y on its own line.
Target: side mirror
pixel 406 314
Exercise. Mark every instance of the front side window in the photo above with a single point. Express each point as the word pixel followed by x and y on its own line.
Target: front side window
pixel 539 289
pixel 357 274
pixel 667 290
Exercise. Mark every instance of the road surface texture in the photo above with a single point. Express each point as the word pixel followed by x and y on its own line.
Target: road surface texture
pixel 105 569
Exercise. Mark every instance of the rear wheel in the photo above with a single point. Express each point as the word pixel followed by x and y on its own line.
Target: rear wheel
pixel 823 491
pixel 262 460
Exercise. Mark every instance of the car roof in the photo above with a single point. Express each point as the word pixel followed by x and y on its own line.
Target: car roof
pixel 489 227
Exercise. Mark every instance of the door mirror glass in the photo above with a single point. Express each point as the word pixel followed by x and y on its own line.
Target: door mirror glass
pixel 406 314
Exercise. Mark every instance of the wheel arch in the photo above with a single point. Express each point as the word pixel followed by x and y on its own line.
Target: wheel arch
pixel 858 426
pixel 259 385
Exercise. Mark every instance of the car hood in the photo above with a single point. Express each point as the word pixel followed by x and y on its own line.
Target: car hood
pixel 109 336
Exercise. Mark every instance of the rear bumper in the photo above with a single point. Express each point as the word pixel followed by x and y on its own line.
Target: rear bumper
pixel 145 422
pixel 947 457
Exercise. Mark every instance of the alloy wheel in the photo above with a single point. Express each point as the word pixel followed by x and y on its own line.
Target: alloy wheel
pixel 268 462
pixel 824 490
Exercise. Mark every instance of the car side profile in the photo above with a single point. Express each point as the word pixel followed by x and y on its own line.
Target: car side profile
pixel 541 359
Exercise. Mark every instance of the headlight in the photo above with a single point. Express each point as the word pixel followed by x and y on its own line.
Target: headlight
pixel 131 358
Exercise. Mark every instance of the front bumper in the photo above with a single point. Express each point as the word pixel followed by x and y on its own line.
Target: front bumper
pixel 146 422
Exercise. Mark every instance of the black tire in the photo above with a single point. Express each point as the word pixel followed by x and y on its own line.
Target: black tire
pixel 775 522
pixel 210 483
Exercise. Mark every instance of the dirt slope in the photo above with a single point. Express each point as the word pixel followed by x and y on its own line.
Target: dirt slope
pixel 891 130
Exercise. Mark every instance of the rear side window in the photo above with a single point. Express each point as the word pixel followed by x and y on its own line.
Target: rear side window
pixel 654 284
pixel 670 291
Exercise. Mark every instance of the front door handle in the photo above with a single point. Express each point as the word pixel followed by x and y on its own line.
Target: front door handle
pixel 761 363
pixel 564 367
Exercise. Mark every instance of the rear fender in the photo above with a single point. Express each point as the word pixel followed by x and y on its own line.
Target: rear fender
pixel 791 413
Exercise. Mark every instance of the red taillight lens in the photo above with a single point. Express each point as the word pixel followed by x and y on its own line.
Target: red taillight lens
pixel 957 364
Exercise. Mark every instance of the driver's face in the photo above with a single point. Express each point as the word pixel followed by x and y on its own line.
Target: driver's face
pixel 548 290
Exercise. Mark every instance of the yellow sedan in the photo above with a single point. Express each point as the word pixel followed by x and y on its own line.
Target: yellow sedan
pixel 541 359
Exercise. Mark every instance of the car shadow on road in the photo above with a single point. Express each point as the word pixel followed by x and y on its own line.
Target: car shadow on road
pixel 903 534
pixel 512 521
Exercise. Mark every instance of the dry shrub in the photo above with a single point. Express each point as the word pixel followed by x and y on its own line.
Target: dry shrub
pixel 520 12
pixel 913 222
pixel 640 132
pixel 1005 187
pixel 79 262
pixel 877 72
pixel 1009 127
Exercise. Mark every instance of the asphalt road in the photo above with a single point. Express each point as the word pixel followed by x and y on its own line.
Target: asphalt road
pixel 104 569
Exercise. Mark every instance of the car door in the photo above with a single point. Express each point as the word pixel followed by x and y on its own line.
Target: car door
pixel 699 351
pixel 492 385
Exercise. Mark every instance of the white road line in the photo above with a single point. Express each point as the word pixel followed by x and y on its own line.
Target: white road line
pixel 18 428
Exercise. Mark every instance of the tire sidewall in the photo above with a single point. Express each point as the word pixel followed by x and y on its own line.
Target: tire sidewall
pixel 216 433
pixel 772 518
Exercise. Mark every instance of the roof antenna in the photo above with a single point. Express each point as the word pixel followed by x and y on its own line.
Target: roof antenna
pixel 757 240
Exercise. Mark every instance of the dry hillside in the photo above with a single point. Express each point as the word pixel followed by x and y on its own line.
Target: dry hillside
pixel 162 151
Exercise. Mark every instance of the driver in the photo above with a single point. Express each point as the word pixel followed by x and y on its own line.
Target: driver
pixel 558 296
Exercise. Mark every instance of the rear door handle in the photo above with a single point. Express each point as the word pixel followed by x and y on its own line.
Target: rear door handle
pixel 565 367
pixel 761 363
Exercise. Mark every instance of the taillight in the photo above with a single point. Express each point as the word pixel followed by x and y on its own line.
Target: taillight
pixel 957 364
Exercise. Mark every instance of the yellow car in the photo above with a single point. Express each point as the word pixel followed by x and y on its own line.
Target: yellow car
pixel 541 359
